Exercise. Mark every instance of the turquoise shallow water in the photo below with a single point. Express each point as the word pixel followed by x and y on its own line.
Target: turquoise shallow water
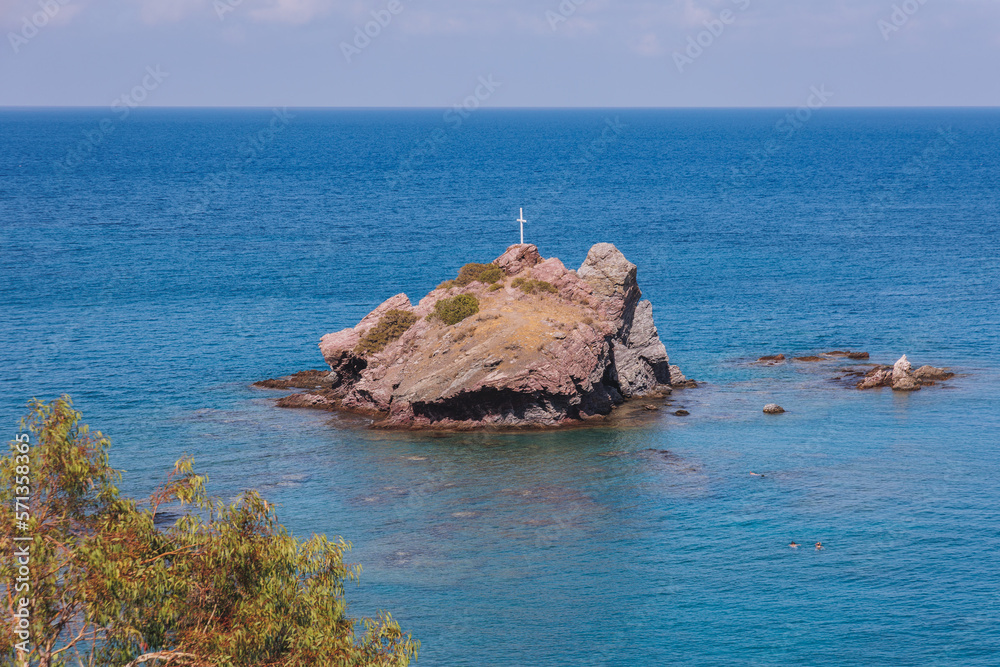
pixel 189 253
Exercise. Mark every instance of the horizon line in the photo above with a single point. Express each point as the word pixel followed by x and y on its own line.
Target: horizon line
pixel 490 108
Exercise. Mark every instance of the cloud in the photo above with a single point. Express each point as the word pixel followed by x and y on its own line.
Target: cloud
pixel 426 23
pixel 295 12
pixel 648 45
pixel 14 12
pixel 291 12
pixel 154 12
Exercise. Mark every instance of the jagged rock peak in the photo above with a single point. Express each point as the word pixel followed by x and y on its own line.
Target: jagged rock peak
pixel 608 272
pixel 517 258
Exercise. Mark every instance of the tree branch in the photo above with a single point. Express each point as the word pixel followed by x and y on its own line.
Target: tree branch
pixel 169 656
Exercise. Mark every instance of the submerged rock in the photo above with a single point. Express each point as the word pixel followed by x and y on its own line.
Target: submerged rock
pixel 323 401
pixel 535 344
pixel 848 354
pixel 773 358
pixel 300 380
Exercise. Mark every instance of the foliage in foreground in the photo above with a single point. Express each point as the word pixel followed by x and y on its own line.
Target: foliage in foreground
pixel 390 327
pixel 223 586
pixel 457 308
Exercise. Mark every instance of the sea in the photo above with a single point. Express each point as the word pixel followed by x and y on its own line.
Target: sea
pixel 155 264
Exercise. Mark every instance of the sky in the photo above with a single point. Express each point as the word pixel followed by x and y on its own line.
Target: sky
pixel 503 53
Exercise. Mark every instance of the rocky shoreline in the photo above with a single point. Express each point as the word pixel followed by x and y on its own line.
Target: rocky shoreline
pixel 518 343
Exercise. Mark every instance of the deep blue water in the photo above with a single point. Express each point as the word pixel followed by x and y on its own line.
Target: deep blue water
pixel 156 268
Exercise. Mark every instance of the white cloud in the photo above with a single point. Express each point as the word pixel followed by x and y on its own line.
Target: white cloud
pixel 295 12
pixel 14 12
pixel 154 12
pixel 648 45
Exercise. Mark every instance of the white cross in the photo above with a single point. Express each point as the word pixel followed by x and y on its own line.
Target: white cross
pixel 522 221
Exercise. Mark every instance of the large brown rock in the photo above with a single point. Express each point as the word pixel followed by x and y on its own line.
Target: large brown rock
pixel 548 358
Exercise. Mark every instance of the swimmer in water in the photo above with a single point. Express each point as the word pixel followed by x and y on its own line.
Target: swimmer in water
pixel 819 545
pixel 794 545
pixel 756 474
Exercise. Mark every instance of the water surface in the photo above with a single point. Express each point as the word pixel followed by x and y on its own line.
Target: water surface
pixel 158 272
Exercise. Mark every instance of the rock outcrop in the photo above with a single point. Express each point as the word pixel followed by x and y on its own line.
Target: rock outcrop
pixel 901 376
pixel 548 346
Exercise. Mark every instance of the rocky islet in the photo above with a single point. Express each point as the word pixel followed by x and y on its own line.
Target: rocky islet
pixel 534 344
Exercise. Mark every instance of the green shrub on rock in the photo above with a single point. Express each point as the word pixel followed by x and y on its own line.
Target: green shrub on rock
pixel 531 286
pixel 390 327
pixel 454 310
pixel 484 273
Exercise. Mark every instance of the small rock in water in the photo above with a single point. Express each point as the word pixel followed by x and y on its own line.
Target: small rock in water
pixel 930 373
pixel 773 357
pixel 847 353
pixel 682 413
pixel 678 380
pixel 773 409
pixel 312 401
pixel 901 368
pixel 651 407
pixel 876 377
pixel 902 377
pixel 809 358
